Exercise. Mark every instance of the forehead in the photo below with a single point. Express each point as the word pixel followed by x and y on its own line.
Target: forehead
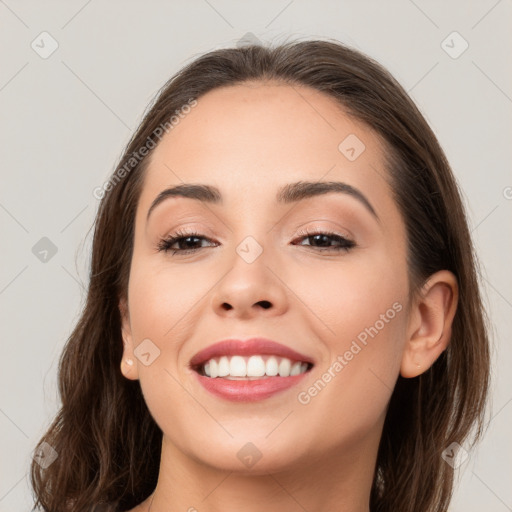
pixel 250 139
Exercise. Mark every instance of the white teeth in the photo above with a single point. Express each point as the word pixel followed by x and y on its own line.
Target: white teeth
pixel 214 368
pixel 255 367
pixel 272 368
pixel 295 369
pixel 284 367
pixel 236 367
pixel 223 366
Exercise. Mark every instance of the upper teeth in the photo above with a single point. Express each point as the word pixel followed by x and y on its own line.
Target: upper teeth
pixel 253 366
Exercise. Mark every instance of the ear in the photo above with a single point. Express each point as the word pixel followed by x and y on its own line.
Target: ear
pixel 129 366
pixel 430 323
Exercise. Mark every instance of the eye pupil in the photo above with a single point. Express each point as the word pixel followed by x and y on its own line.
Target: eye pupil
pixel 322 238
pixel 188 238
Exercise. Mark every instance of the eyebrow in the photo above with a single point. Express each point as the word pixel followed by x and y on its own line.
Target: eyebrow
pixel 290 193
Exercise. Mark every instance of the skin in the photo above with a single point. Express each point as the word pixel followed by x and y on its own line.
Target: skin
pixel 248 140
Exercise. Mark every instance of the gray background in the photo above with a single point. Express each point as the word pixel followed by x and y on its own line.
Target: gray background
pixel 66 118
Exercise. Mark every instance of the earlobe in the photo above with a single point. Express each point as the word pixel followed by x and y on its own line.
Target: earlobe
pixel 430 325
pixel 128 366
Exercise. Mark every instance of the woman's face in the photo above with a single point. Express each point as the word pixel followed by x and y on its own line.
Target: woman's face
pixel 257 273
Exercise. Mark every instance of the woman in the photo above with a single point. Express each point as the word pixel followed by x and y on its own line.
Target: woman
pixel 283 310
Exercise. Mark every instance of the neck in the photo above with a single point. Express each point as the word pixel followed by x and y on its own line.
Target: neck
pixel 325 482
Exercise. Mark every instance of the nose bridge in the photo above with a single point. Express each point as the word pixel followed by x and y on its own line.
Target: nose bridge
pixel 250 249
pixel 255 243
pixel 251 233
pixel 249 261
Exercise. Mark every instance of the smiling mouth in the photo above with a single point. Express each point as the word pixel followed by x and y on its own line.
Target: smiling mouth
pixel 255 367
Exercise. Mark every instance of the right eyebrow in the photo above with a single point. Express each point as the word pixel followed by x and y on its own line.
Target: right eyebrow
pixel 205 193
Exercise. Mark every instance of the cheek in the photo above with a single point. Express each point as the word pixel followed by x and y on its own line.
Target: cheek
pixel 352 388
pixel 162 309
pixel 363 302
pixel 361 307
pixel 162 298
pixel 349 295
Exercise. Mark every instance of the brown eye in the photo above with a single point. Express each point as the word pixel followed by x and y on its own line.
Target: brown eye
pixel 322 240
pixel 187 241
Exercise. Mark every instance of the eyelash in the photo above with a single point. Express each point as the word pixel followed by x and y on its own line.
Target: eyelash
pixel 164 245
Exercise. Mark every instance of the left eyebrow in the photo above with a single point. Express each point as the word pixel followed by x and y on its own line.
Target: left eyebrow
pixel 290 193
pixel 304 189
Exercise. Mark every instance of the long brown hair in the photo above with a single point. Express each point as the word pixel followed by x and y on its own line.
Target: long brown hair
pixel 107 442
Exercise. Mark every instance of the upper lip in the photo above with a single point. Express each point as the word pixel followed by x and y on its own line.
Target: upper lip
pixel 249 347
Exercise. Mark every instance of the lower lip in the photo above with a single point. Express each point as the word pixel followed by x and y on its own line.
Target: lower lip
pixel 248 390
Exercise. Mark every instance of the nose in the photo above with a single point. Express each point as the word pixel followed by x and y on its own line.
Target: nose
pixel 248 290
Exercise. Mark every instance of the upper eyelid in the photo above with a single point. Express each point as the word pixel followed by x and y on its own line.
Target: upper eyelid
pixel 332 231
pixel 204 228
